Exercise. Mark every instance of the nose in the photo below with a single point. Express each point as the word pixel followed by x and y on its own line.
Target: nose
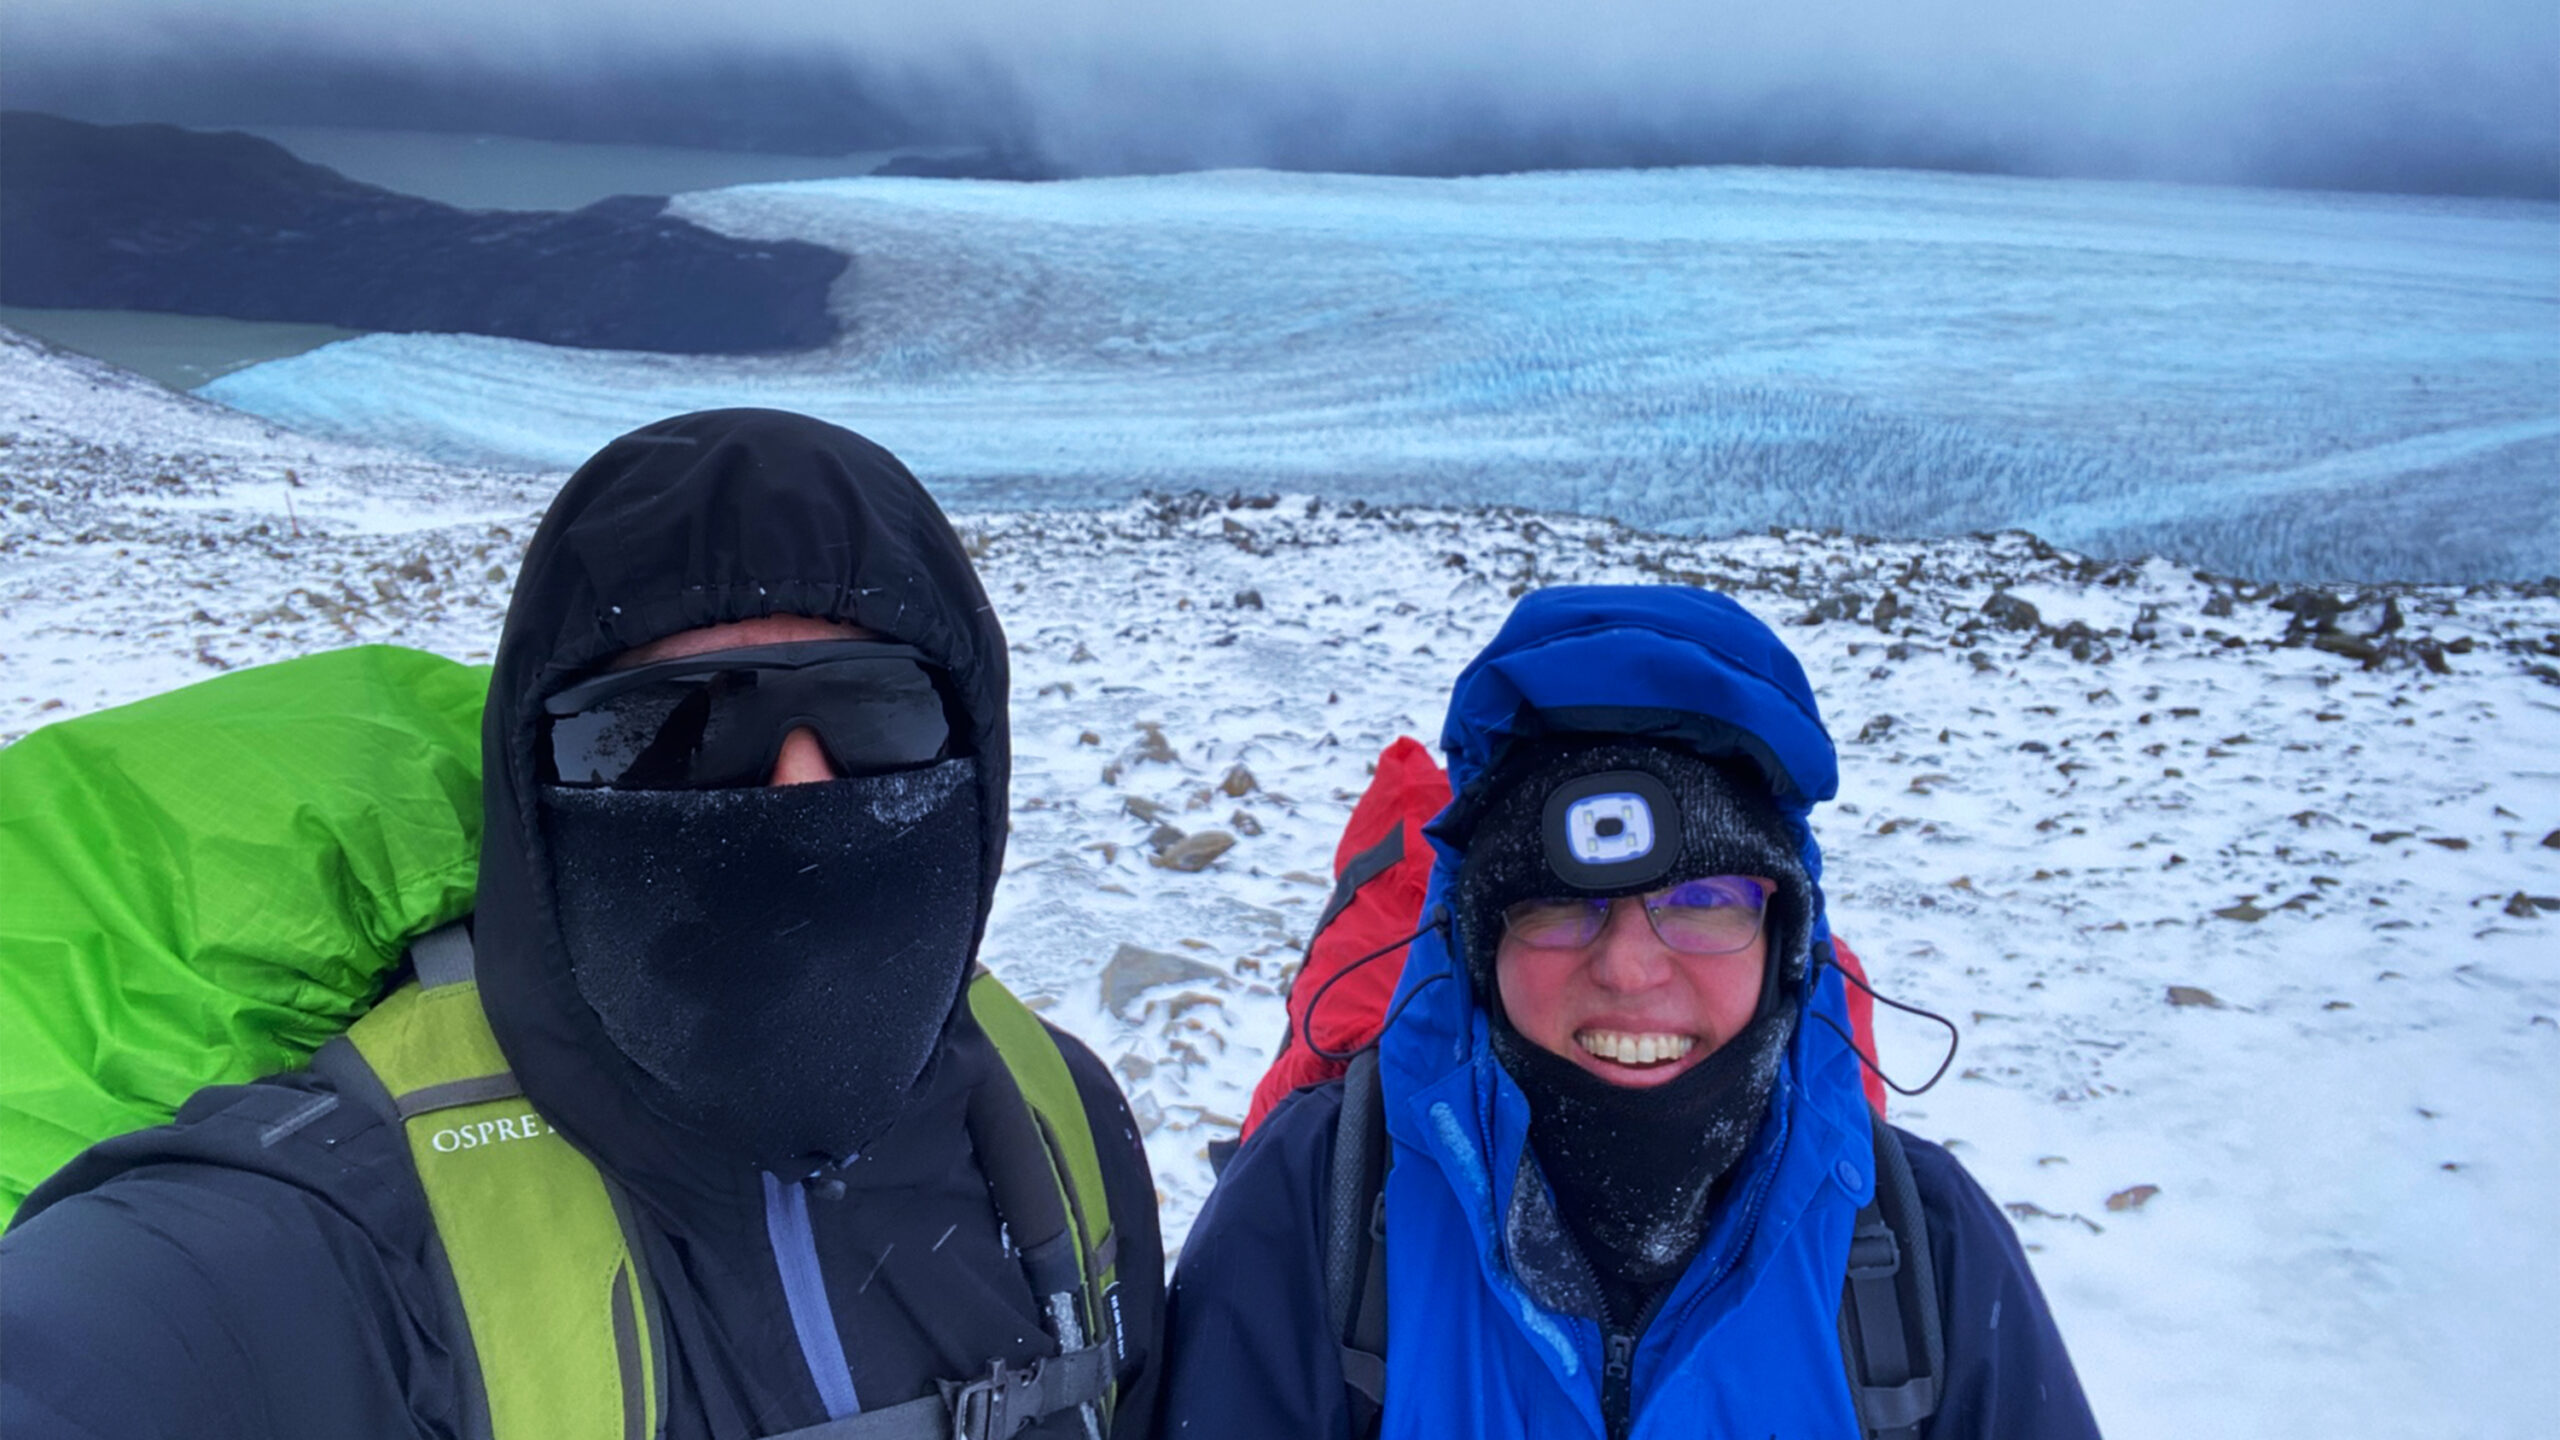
pixel 803 760
pixel 1627 955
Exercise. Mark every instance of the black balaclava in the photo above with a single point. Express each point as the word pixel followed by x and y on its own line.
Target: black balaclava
pixel 1634 1200
pixel 756 976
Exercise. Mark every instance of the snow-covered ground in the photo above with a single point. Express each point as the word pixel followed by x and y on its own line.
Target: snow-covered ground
pixel 2282 384
pixel 2055 834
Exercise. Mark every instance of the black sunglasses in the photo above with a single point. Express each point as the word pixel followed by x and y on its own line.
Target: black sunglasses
pixel 718 720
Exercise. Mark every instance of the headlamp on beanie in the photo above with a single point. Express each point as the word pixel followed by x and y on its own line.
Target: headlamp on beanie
pixel 1611 830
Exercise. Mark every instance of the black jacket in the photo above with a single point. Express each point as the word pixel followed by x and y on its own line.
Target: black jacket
pixel 1251 1358
pixel 192 1280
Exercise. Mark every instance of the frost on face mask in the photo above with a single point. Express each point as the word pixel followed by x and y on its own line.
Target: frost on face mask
pixel 778 962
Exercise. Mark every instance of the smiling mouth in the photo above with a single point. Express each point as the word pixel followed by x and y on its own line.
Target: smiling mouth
pixel 1633 1048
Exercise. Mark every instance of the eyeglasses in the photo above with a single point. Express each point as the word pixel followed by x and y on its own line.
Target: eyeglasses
pixel 718 720
pixel 1716 915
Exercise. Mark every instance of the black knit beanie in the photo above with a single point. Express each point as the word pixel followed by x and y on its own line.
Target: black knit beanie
pixel 1727 825
pixel 1634 1201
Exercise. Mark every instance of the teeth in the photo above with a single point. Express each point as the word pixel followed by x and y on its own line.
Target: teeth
pixel 1633 1049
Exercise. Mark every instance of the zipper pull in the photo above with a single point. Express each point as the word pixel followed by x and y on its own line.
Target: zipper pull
pixel 1622 1356
pixel 1617 1386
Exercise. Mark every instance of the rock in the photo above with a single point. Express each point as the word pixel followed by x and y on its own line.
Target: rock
pixel 2083 643
pixel 1876 728
pixel 1840 605
pixel 1152 745
pixel 1142 807
pixel 1983 663
pixel 2132 1197
pixel 1147 1111
pixel 1888 606
pixel 1238 784
pixel 1165 836
pixel 2530 907
pixel 1243 823
pixel 2010 613
pixel 1133 970
pixel 2312 610
pixel 152 217
pixel 1134 1066
pixel 2551 841
pixel 1194 853
pixel 1186 1002
pixel 2449 842
pixel 2244 912
pixel 2192 995
pixel 2219 605
pixel 1248 599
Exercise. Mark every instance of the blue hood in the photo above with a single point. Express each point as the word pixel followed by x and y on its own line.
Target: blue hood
pixel 1654 661
pixel 1679 665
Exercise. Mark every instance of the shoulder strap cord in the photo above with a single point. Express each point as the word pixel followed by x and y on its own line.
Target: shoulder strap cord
pixel 1889 1300
pixel 1355 1242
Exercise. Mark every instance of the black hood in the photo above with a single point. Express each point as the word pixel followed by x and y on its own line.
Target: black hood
pixel 699 520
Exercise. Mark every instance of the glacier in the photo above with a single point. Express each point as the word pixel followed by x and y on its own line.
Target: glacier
pixel 2292 385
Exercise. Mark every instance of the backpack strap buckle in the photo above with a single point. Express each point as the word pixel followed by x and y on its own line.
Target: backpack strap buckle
pixel 980 1408
pixel 1005 1401
pixel 1874 1253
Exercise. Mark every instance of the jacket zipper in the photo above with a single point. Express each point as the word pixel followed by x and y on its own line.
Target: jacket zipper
pixel 1618 1347
pixel 1617 1381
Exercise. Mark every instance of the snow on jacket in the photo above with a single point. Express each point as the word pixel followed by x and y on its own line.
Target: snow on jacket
pixel 1746 1343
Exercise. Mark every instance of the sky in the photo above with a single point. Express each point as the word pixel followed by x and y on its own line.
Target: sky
pixel 2369 94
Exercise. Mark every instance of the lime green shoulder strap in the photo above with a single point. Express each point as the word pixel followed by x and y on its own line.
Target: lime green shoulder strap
pixel 549 1287
pixel 1074 1169
pixel 559 1314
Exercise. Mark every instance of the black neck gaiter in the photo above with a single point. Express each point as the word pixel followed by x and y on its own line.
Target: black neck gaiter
pixel 778 962
pixel 1635 1170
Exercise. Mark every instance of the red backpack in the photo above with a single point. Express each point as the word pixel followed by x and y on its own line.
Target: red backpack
pixel 1381 868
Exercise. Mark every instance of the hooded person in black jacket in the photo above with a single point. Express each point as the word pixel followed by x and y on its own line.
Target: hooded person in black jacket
pixel 739 996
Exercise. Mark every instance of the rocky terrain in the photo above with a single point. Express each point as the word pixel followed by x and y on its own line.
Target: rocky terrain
pixel 152 217
pixel 2245 897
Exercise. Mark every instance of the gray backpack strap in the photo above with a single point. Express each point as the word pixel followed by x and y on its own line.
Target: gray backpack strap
pixel 1890 1336
pixel 443 955
pixel 1355 1242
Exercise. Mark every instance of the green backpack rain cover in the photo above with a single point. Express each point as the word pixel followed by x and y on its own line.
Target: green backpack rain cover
pixel 199 888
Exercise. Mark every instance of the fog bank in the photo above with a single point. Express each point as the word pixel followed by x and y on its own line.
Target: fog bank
pixel 2370 94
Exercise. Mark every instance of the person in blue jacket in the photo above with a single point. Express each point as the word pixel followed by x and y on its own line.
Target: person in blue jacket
pixel 1626 1142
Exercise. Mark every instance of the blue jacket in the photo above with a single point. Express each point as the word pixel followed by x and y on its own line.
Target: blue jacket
pixel 1747 1343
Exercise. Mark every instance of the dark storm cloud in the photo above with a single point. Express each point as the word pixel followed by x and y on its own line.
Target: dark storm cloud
pixel 2390 94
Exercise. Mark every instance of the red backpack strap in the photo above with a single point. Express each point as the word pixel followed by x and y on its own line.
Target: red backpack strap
pixel 1381 868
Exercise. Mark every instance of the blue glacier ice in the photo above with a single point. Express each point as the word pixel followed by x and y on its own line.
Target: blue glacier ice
pixel 2280 384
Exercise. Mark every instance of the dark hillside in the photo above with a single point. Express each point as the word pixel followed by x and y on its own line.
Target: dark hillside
pixel 152 217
